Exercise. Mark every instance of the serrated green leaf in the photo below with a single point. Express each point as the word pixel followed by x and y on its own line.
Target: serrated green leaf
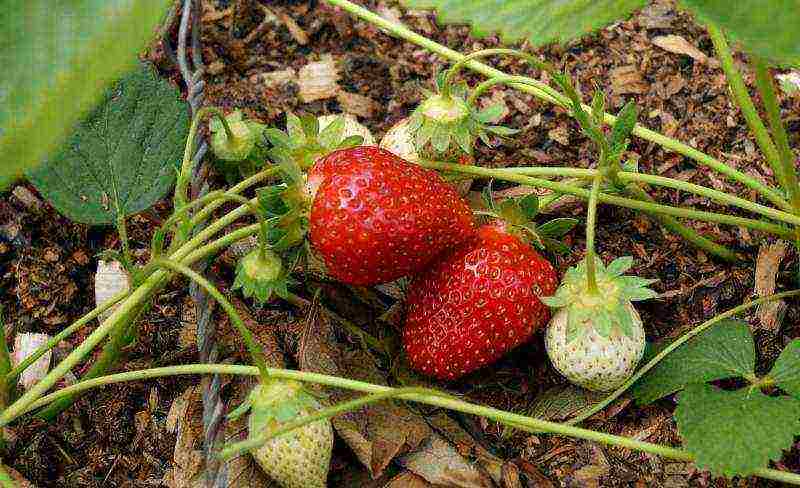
pixel 271 201
pixel 557 227
pixel 598 107
pixel 463 138
pixel 294 127
pixel 726 350
pixel 277 138
pixel 786 370
pixel 638 294
pixel 540 21
pixel 490 113
pixel 126 150
pixel 555 246
pixel 58 58
pixel 623 126
pixel 734 433
pixel 332 133
pixel 562 402
pixel 620 265
pixel 767 28
pixel 529 205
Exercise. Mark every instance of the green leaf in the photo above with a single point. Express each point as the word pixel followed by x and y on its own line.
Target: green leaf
pixel 620 265
pixel 540 21
pixel 463 138
pixel 767 28
pixel 310 125
pixel 486 196
pixel 425 132
pixel 726 350
pixel 57 59
pixel 529 205
pixel 332 133
pixel 294 127
pixel 598 107
pixel 623 126
pixel 734 433
pixel 440 140
pixel 501 130
pixel 555 246
pixel 126 150
pixel 557 227
pixel 490 113
pixel 786 370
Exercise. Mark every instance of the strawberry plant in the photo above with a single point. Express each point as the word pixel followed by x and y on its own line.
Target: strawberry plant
pixel 327 199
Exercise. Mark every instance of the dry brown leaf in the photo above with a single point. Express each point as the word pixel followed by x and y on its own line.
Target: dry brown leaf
pixel 439 463
pixel 628 79
pixel 318 81
pixel 560 134
pixel 356 104
pixel 769 260
pixel 273 79
pixel 679 45
pixel 376 433
pixel 407 479
pixel 185 420
pixel 25 344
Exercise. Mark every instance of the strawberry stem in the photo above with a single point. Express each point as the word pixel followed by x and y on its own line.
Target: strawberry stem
pixel 456 68
pixel 529 424
pixel 505 80
pixel 256 352
pixel 591 220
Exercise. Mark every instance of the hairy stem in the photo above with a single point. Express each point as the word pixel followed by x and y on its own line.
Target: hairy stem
pixel 6 381
pixel 543 92
pixel 444 401
pixel 674 345
pixel 501 80
pixel 742 98
pixel 591 220
pixel 256 352
pixel 614 200
pixel 459 65
pixel 766 88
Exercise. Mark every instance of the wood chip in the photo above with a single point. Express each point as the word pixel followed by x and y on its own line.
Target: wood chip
pixel 27 198
pixel 110 279
pixel 25 344
pixel 628 80
pixel 273 79
pixel 356 104
pixel 679 45
pixel 560 135
pixel 297 32
pixel 318 81
pixel 769 260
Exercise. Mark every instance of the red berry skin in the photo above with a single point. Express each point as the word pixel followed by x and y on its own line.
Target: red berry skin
pixel 476 303
pixel 376 217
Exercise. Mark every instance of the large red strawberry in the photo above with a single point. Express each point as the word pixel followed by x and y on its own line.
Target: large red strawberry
pixel 476 303
pixel 376 217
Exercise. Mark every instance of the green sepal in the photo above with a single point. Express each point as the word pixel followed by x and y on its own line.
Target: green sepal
pixel 557 227
pixel 245 135
pixel 261 276
pixel 276 402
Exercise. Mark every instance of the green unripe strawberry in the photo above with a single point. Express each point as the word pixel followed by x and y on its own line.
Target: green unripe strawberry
pixel 241 145
pixel 301 457
pixel 260 275
pixel 596 339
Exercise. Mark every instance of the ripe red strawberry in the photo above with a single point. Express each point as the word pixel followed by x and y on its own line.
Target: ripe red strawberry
pixel 376 217
pixel 476 303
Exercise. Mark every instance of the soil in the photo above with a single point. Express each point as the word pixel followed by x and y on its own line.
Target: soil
pixel 118 435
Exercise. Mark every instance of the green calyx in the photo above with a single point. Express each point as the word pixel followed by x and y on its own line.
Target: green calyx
pixel 518 214
pixel 445 126
pixel 245 135
pixel 261 275
pixel 303 143
pixel 273 403
pixel 606 312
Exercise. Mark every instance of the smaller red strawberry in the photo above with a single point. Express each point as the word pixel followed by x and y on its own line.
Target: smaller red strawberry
pixel 376 217
pixel 476 303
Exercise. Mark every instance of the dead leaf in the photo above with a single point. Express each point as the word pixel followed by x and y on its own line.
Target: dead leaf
pixel 560 134
pixel 297 32
pixel 656 16
pixel 356 104
pixel 407 479
pixel 376 433
pixel 185 420
pixel 679 45
pixel 562 402
pixel 770 314
pixel 439 463
pixel 628 79
pixel 318 81
pixel 273 79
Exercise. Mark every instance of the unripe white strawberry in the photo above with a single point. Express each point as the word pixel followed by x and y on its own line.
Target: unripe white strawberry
pixel 592 361
pixel 596 339
pixel 297 459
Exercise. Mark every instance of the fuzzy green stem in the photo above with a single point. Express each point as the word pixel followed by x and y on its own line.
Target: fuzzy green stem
pixel 591 220
pixel 256 352
pixel 122 230
pixel 5 365
pixel 671 224
pixel 542 92
pixel 674 345
pixel 766 88
pixel 236 189
pixel 502 80
pixel 742 98
pixel 515 420
pixel 256 441
pixel 644 206
pixel 459 65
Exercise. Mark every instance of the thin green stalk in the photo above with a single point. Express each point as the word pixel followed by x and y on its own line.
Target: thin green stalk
pixel 459 65
pixel 507 418
pixel 5 365
pixel 122 230
pixel 502 80
pixel 236 189
pixel 552 171
pixel 614 200
pixel 591 220
pixel 256 441
pixel 674 345
pixel 542 92
pixel 742 97
pixel 256 352
pixel 766 88
pixel 719 196
pixel 689 235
